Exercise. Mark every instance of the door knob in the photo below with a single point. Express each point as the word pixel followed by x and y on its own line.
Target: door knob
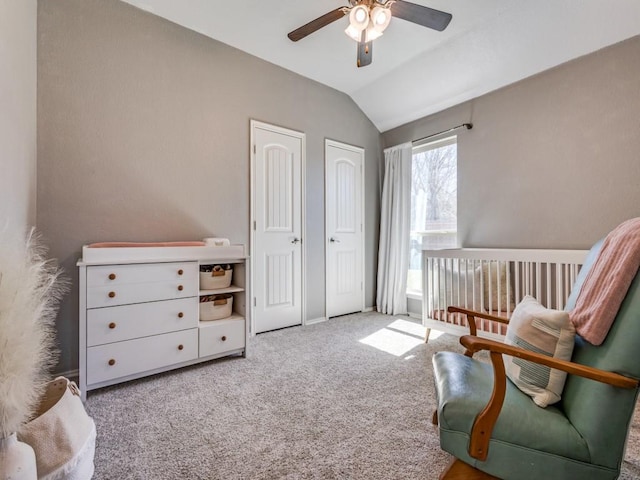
pixel 296 240
pixel 334 240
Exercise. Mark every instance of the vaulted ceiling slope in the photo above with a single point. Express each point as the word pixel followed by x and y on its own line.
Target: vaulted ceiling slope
pixel 415 71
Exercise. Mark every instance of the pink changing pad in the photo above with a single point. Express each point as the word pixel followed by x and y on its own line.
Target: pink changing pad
pixel 146 244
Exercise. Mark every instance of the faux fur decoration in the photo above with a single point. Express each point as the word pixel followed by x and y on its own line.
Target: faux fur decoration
pixel 30 291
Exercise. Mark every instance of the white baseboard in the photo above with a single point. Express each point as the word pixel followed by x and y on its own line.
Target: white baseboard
pixel 315 320
pixel 368 309
pixel 415 315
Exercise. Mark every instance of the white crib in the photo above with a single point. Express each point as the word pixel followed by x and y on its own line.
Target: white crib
pixel 493 281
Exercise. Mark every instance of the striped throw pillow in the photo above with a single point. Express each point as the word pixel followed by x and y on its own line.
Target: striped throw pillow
pixel 542 330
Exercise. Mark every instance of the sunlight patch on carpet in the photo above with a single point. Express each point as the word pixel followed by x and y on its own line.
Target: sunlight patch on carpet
pixel 398 338
pixel 435 334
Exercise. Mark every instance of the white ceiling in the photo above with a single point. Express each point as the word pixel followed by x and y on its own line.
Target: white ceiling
pixel 415 71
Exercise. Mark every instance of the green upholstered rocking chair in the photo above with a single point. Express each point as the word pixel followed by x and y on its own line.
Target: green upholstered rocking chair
pixel 496 431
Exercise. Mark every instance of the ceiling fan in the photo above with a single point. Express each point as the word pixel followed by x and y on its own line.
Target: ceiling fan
pixel 369 18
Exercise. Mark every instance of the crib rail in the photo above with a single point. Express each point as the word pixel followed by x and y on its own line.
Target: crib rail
pixel 493 281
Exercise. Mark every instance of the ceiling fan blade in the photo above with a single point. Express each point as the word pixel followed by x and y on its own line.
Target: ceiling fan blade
pixel 317 24
pixel 365 52
pixel 425 16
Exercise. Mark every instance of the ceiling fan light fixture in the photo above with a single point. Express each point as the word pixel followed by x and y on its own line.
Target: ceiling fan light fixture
pixel 353 33
pixel 359 17
pixel 380 18
pixel 372 33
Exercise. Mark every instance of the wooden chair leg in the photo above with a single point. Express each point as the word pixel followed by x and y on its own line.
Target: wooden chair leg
pixel 458 470
pixel 426 335
pixel 434 419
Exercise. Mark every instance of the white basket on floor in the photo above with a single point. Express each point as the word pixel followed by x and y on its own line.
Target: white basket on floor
pixel 62 435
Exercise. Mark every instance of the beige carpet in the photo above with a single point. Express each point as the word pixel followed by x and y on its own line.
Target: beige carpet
pixel 350 398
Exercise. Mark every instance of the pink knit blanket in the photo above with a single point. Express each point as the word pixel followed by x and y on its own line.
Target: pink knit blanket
pixel 607 282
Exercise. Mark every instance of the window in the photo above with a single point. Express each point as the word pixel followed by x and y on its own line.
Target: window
pixel 434 195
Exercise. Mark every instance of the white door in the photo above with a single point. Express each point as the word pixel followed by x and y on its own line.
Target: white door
pixel 344 228
pixel 277 227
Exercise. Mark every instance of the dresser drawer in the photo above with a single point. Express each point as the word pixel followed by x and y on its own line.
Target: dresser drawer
pixel 125 284
pixel 221 336
pixel 115 324
pixel 115 360
pixel 109 275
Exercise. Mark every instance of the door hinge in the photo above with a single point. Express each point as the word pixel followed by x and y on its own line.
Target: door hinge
pixel 254 148
pixel 254 224
pixel 254 302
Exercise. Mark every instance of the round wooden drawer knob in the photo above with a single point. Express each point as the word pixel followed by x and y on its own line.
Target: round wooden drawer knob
pixel 180 272
pixel 112 362
pixel 180 287
pixel 180 315
pixel 112 325
pixel 112 294
pixel 224 338
pixel 180 347
pixel 112 276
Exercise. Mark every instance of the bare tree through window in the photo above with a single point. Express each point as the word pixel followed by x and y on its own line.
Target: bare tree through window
pixel 434 191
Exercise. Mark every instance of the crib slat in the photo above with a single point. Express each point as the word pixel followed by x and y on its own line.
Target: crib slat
pixel 466 282
pixel 474 290
pixel 559 292
pixel 509 292
pixel 518 283
pixel 550 303
pixel 458 281
pixel 566 284
pixel 490 285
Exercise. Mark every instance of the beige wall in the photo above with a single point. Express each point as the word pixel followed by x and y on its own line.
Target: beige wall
pixel 18 113
pixel 553 161
pixel 144 135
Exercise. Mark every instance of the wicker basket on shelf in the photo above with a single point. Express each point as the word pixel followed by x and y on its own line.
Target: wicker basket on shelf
pixel 215 307
pixel 213 277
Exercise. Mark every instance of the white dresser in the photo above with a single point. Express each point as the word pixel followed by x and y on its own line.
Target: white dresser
pixel 139 309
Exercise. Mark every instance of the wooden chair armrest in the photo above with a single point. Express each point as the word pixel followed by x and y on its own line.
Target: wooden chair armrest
pixel 473 313
pixel 486 420
pixel 475 344
pixel 471 320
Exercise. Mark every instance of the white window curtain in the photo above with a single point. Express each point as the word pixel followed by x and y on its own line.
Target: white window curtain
pixel 395 222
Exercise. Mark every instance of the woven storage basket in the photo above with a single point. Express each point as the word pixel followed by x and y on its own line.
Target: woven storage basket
pixel 216 307
pixel 219 277
pixel 62 435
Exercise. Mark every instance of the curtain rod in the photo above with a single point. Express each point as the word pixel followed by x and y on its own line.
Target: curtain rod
pixel 468 126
